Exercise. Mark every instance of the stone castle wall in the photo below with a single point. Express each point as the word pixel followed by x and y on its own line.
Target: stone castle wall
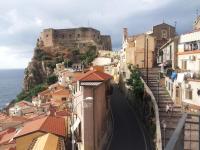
pixel 75 38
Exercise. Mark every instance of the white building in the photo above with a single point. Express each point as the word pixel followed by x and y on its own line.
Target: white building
pixel 185 89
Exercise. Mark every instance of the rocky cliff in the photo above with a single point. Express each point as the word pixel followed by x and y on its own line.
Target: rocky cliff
pixel 45 59
pixel 42 65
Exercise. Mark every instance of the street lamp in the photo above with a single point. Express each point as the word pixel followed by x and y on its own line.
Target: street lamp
pixel 73 107
pixel 158 92
pixel 164 127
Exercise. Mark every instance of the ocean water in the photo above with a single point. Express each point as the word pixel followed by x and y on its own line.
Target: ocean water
pixel 11 83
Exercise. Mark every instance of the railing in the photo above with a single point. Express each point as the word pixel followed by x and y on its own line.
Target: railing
pixel 156 111
pixel 176 141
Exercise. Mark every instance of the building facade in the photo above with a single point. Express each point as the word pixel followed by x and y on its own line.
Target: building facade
pixel 162 33
pixel 75 38
pixel 138 49
pixel 92 118
pixel 167 54
pixel 185 88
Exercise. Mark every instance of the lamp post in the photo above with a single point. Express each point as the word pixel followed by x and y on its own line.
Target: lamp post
pixel 147 69
pixel 87 99
pixel 158 92
pixel 164 128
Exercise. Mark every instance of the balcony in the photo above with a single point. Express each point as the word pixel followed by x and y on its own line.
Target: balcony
pixel 192 46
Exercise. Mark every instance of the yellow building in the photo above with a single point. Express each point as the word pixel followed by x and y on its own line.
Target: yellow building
pixel 47 142
pixel 139 49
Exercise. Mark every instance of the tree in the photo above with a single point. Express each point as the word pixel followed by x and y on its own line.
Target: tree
pixel 89 56
pixel 136 90
pixel 52 79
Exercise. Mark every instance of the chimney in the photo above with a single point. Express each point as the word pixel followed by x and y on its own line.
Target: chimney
pixel 125 34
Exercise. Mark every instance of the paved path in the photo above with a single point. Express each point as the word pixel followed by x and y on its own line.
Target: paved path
pixel 127 133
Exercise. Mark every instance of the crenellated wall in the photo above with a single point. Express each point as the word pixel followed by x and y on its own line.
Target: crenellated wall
pixel 75 38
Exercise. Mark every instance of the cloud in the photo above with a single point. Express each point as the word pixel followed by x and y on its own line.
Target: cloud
pixel 21 21
pixel 10 59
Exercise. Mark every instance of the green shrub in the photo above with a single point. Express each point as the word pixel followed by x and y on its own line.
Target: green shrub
pixel 52 79
pixel 27 95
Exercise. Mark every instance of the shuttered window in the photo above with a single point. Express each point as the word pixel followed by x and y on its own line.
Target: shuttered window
pixel 188 94
pixel 184 64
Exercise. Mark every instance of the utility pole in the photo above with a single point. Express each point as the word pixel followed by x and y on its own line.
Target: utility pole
pixel 147 70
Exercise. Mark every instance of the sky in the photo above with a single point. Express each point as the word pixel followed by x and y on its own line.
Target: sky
pixel 21 21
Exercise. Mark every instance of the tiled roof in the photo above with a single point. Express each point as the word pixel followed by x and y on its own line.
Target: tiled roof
pixel 45 92
pixel 62 92
pixel 63 113
pixel 7 135
pixel 24 103
pixel 48 124
pixel 95 75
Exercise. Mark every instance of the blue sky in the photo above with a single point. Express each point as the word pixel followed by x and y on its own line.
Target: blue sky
pixel 21 21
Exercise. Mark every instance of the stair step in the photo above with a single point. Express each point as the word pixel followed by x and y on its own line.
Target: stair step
pixel 174 110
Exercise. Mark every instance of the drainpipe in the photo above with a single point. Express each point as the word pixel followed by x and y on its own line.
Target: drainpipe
pixel 147 61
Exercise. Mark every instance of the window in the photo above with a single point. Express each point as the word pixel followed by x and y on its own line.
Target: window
pixel 188 94
pixel 63 36
pixel 78 35
pixel 184 64
pixel 164 34
pixel 47 35
pixel 64 98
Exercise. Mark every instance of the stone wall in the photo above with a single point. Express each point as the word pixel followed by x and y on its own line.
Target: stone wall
pixel 75 38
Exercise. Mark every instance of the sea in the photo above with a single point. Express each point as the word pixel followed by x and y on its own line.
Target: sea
pixel 11 83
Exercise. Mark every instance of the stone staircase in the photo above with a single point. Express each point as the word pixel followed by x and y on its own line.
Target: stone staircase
pixel 191 139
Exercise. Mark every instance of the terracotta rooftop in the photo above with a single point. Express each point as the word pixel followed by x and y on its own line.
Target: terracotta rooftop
pixel 45 92
pixel 24 103
pixel 62 92
pixel 7 135
pixel 95 75
pixel 63 113
pixel 48 124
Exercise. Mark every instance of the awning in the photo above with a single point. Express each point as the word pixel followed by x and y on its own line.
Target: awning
pixel 75 125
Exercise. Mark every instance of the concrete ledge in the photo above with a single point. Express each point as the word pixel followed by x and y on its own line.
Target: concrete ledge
pixel 156 111
pixel 176 141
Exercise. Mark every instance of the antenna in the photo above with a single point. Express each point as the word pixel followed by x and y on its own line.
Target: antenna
pixel 88 23
pixel 163 20
pixel 175 24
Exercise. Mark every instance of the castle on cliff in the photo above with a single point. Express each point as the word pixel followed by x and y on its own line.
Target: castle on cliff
pixel 80 38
